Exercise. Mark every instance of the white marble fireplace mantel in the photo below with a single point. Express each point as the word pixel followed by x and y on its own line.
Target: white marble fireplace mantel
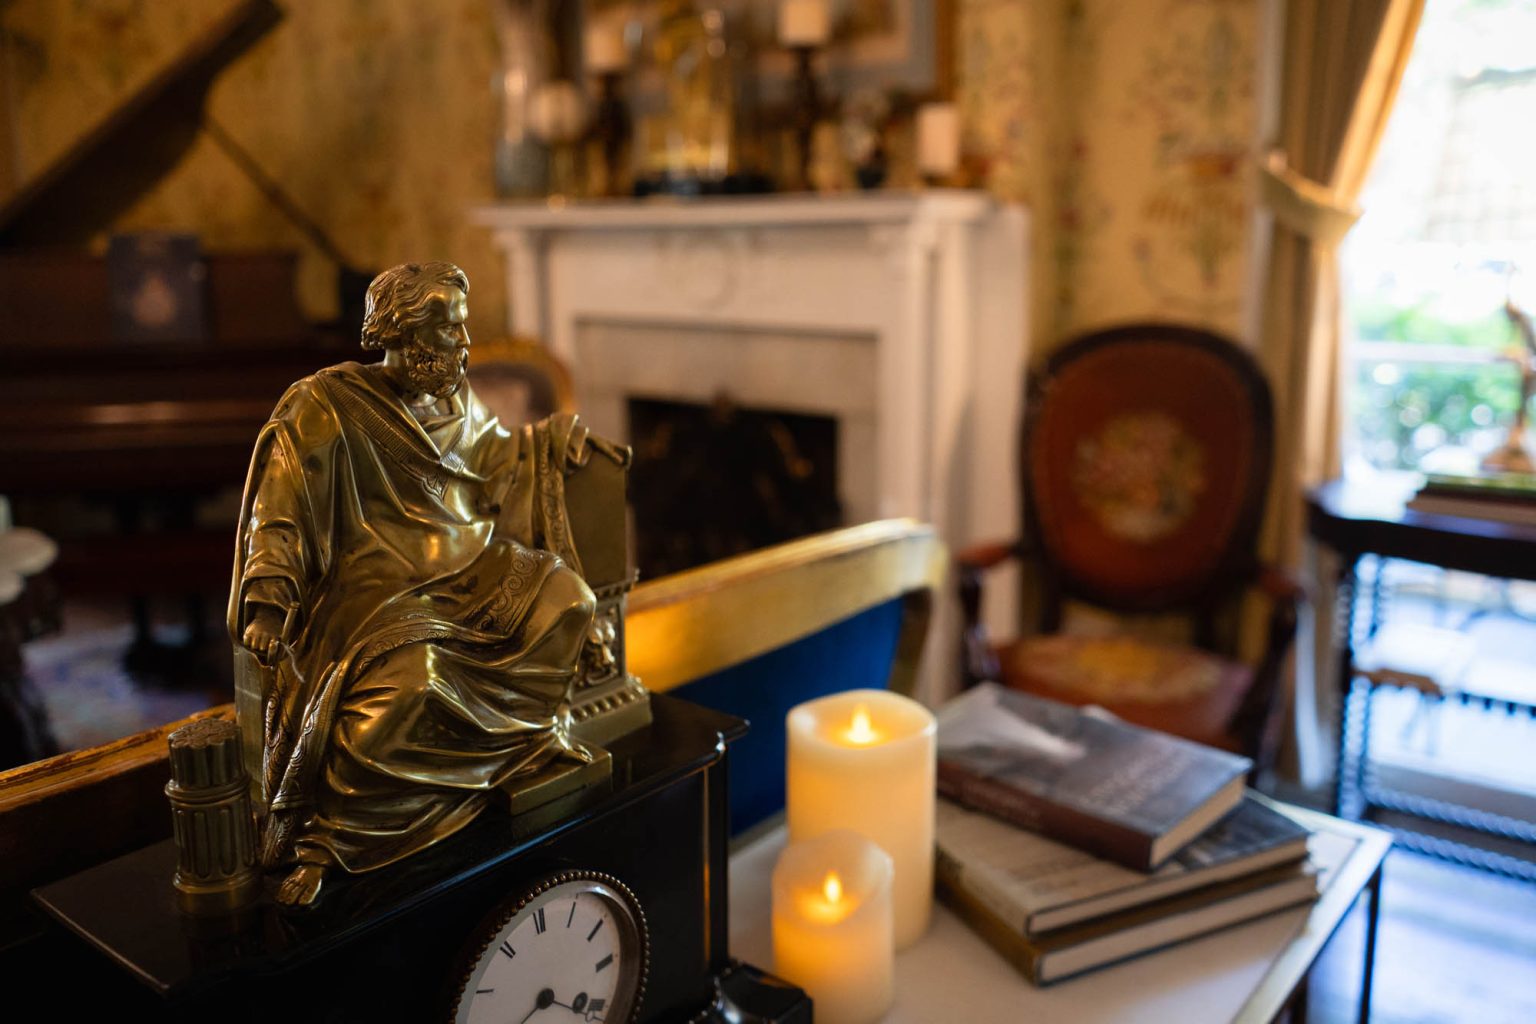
pixel 901 315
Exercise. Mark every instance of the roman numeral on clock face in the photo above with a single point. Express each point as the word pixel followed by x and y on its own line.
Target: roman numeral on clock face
pixel 538 921
pixel 506 947
pixel 604 962
pixel 595 928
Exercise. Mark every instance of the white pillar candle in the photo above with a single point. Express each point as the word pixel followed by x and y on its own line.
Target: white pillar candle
pixel 557 113
pixel 938 139
pixel 864 760
pixel 804 23
pixel 603 48
pixel 832 926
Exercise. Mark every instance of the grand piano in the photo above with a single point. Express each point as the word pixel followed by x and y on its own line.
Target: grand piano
pixel 140 433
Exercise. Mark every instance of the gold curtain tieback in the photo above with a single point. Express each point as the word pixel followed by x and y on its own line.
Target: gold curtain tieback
pixel 1308 208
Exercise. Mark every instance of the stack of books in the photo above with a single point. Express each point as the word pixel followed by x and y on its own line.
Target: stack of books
pixel 1504 497
pixel 1069 839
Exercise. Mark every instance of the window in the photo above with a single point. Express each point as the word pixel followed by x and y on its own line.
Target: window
pixel 1433 369
pixel 1449 234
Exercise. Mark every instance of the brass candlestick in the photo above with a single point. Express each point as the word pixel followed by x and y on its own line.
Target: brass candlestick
pixel 612 131
pixel 807 107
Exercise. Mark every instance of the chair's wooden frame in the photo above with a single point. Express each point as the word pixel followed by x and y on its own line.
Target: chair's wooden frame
pixel 78 809
pixel 532 353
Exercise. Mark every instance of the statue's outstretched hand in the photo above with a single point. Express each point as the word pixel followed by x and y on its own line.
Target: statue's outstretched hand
pixel 264 635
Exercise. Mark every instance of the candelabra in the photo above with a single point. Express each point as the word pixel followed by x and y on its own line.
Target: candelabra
pixel 806 109
pixel 611 135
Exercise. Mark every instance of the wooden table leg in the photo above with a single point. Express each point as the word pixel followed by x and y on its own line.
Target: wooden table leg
pixel 1345 781
pixel 1296 1011
pixel 1373 890
pixel 1379 594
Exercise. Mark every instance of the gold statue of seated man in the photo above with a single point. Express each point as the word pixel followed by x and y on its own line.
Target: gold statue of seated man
pixel 406 578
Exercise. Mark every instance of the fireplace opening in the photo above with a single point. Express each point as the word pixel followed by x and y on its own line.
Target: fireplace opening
pixel 712 481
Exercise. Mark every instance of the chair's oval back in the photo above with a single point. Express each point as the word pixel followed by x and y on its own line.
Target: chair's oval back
pixel 520 379
pixel 1146 462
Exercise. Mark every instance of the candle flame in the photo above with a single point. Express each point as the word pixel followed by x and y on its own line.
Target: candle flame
pixel 832 888
pixel 861 731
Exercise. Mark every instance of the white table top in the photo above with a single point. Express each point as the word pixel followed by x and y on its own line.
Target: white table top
pixel 952 975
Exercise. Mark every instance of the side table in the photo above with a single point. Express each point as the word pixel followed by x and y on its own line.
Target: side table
pixel 1356 520
pixel 1247 974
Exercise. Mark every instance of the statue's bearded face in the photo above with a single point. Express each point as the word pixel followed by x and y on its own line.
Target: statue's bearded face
pixel 436 355
pixel 433 371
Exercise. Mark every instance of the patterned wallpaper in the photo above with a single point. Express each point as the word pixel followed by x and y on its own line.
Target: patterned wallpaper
pixel 374 115
pixel 1010 84
pixel 1126 127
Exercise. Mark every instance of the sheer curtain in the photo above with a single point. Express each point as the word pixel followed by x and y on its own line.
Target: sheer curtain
pixel 1342 63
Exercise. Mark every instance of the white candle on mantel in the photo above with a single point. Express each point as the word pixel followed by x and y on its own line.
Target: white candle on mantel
pixel 832 926
pixel 603 48
pixel 804 23
pixel 938 139
pixel 865 760
pixel 557 113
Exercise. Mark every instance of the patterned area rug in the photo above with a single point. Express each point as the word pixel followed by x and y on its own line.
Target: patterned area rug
pixel 92 698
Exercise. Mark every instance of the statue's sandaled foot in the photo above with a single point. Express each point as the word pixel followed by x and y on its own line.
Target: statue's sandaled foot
pixel 301 886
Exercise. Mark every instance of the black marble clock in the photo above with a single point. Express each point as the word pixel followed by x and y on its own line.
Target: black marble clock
pixel 614 910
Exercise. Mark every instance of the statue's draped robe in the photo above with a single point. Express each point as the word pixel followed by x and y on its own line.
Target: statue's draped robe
pixel 435 606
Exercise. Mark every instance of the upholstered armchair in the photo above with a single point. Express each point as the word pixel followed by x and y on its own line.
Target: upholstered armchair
pixel 1145 464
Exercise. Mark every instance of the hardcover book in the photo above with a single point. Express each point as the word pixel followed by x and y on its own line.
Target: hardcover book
pixel 1035 885
pixel 1093 944
pixel 1502 497
pixel 1518 510
pixel 1514 486
pixel 1082 776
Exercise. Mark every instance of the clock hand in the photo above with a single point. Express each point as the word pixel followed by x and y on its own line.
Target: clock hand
pixel 579 1005
pixel 544 1001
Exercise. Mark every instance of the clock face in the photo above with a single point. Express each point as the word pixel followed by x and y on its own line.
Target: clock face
pixel 570 951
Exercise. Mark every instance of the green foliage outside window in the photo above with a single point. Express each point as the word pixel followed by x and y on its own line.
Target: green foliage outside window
pixel 1404 410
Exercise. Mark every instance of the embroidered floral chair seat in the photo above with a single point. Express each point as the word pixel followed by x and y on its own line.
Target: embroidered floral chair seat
pixel 1146 461
pixel 1172 687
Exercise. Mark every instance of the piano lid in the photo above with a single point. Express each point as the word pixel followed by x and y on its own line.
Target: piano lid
pixel 134 146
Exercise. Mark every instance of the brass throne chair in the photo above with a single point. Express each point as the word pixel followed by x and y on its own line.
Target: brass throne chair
pixel 1145 466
